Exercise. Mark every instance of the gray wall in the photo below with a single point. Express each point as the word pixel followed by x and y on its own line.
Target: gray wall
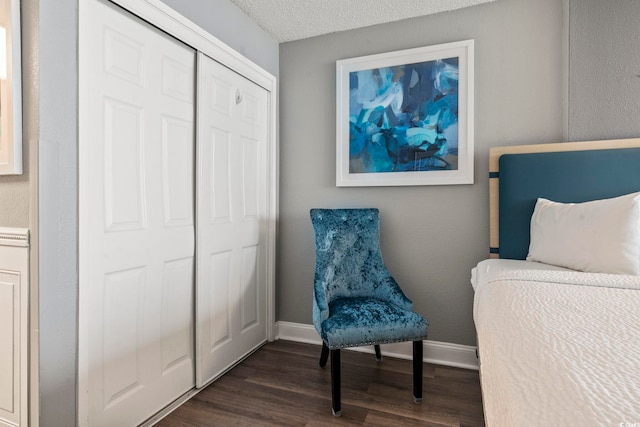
pixel 14 196
pixel 58 185
pixel 604 69
pixel 58 220
pixel 431 236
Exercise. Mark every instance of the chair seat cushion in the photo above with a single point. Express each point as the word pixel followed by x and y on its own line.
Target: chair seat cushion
pixel 361 321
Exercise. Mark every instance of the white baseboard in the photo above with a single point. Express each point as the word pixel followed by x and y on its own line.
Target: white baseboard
pixel 439 353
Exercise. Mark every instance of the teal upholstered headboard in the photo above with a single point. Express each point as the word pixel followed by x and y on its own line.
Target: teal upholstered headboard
pixel 565 172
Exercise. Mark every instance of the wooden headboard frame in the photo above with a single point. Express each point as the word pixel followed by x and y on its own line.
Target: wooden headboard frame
pixel 494 172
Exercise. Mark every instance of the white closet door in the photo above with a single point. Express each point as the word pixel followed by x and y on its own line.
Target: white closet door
pixel 231 204
pixel 137 224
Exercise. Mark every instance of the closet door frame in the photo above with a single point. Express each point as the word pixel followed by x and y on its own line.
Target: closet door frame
pixel 168 20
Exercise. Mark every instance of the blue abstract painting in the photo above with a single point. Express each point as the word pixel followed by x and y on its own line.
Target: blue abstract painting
pixel 404 118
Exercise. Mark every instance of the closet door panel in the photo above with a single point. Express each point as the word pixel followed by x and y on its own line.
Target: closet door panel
pixel 123 170
pixel 137 237
pixel 232 189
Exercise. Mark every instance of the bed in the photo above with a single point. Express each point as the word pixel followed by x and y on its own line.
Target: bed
pixel 557 305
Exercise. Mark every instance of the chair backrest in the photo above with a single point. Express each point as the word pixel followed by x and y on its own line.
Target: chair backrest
pixel 347 252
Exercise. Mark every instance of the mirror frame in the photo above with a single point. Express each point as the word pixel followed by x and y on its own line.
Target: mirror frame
pixel 10 89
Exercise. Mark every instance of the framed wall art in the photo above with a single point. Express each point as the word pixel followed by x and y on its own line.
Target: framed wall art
pixel 406 117
pixel 10 89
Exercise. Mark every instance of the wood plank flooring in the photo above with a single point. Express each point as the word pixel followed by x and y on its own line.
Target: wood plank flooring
pixel 282 385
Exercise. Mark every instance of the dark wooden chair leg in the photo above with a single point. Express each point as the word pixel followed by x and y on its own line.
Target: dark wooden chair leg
pixel 324 355
pixel 378 352
pixel 336 409
pixel 417 371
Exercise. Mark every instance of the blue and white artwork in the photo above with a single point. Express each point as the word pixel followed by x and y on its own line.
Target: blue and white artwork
pixel 404 118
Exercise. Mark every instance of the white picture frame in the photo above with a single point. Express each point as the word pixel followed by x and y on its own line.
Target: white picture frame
pixel 406 117
pixel 10 89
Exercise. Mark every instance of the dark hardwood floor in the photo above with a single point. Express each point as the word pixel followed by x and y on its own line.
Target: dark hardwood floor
pixel 282 385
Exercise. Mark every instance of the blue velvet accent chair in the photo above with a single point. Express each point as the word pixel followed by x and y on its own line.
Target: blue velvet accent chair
pixel 356 301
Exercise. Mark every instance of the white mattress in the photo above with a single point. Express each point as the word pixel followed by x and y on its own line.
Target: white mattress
pixel 557 348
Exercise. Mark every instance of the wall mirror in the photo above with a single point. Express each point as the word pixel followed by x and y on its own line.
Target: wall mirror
pixel 10 89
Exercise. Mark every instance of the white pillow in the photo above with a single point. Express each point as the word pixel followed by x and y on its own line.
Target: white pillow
pixel 601 236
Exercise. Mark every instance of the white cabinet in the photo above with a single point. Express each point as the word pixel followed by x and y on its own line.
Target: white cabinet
pixel 14 312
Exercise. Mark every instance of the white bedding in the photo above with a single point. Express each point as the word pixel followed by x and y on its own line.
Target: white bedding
pixel 557 348
pixel 488 269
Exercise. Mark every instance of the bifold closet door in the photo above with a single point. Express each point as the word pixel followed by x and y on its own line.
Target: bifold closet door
pixel 137 238
pixel 232 189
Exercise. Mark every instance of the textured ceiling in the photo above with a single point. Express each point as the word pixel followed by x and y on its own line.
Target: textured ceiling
pixel 290 20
